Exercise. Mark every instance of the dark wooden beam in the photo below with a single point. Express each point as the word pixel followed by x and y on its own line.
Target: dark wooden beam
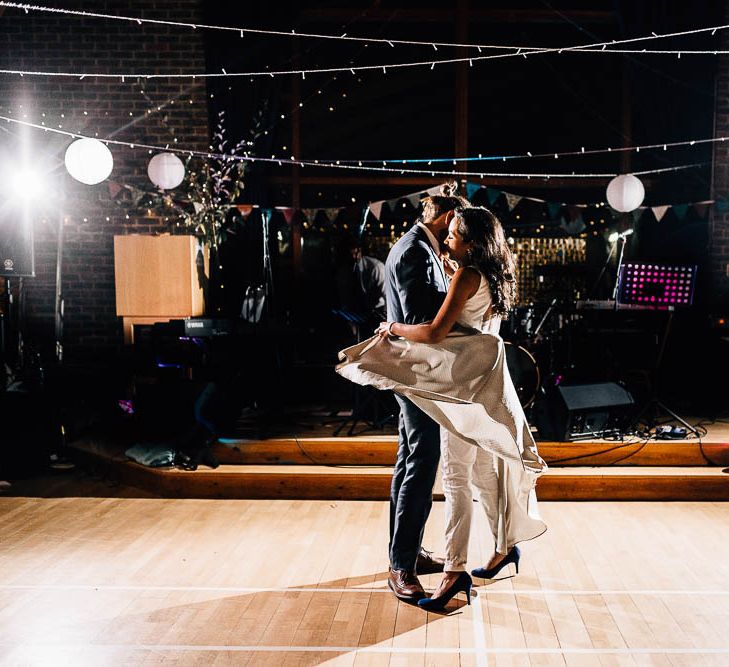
pixel 296 151
pixel 437 15
pixel 461 81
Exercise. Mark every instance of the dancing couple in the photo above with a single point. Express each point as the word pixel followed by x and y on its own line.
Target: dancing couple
pixel 441 354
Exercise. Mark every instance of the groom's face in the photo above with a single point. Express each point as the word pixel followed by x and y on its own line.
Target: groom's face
pixel 440 225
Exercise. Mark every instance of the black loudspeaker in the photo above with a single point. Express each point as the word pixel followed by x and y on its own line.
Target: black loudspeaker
pixel 16 245
pixel 584 411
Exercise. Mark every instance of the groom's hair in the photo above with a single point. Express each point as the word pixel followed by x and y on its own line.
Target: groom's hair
pixel 447 200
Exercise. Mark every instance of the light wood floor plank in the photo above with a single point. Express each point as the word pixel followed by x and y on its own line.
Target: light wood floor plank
pixel 150 581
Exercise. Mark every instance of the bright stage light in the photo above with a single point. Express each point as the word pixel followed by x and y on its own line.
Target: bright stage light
pixel 26 184
pixel 89 161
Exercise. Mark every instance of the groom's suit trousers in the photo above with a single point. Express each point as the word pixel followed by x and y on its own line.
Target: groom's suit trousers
pixel 411 493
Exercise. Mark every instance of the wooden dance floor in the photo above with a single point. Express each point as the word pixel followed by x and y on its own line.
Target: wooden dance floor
pixel 140 580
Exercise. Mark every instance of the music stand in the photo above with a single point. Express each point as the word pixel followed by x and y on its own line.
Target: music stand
pixel 663 287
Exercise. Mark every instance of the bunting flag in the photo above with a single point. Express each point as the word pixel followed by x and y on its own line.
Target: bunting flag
pixel 244 209
pixel 659 212
pixel 702 208
pixel 114 188
pixel 414 200
pixel 573 226
pixel 492 195
pixel 310 214
pixel 575 212
pixel 199 207
pixel 680 210
pixel 553 210
pixel 332 213
pixel 512 200
pixel 376 209
pixel 472 189
pixel 288 213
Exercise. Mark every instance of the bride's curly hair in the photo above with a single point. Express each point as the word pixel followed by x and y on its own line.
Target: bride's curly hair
pixel 490 254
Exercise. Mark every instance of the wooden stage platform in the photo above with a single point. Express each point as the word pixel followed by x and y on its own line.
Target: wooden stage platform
pixel 317 465
pixel 95 577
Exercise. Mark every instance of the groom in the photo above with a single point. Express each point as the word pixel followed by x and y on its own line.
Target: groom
pixel 415 287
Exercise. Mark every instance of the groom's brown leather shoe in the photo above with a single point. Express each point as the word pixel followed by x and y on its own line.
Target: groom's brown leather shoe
pixel 405 585
pixel 427 563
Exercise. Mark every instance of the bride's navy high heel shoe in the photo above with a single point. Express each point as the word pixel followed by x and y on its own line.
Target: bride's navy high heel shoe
pixel 462 583
pixel 489 573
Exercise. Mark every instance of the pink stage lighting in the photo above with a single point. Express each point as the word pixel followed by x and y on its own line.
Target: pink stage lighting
pixel 660 285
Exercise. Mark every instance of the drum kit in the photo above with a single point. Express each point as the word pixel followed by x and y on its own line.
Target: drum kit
pixel 536 347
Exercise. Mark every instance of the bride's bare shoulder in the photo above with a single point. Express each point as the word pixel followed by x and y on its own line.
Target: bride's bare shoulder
pixel 467 279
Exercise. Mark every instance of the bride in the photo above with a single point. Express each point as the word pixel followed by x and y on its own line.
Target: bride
pixel 458 375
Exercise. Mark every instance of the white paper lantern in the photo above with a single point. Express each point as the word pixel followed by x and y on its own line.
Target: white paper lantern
pixel 89 161
pixel 625 193
pixel 166 171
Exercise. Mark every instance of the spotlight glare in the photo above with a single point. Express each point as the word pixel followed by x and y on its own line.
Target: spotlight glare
pixel 26 184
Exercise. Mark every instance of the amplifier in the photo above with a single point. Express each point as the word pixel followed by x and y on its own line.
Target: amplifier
pixel 584 411
pixel 201 327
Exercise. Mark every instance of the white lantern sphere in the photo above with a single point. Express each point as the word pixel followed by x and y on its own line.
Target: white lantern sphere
pixel 166 171
pixel 89 161
pixel 625 193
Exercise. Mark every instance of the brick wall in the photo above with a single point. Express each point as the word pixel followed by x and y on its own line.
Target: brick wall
pixel 719 223
pixel 156 112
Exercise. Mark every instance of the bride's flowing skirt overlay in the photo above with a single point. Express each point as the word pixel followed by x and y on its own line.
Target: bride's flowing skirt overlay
pixel 463 384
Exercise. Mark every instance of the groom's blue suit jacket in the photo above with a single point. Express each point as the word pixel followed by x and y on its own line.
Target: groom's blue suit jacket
pixel 415 281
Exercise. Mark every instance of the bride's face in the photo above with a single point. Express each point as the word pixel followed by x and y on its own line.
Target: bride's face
pixel 457 247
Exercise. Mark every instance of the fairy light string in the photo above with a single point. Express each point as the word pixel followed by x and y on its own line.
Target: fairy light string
pixel 525 52
pixel 338 164
pixel 242 30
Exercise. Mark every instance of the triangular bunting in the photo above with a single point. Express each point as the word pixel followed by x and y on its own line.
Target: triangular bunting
pixel 310 214
pixel 512 200
pixel 553 209
pixel 414 200
pixel 575 213
pixel 702 208
pixel 114 188
pixel 243 209
pixel 288 213
pixel 572 227
pixel 199 207
pixel 376 209
pixel 492 194
pixel 472 189
pixel 331 213
pixel 659 212
pixel 680 210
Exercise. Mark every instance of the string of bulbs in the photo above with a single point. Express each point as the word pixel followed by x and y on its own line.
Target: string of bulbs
pixel 337 164
pixel 512 51
pixel 242 31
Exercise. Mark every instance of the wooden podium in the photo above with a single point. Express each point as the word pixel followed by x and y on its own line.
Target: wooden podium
pixel 157 279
